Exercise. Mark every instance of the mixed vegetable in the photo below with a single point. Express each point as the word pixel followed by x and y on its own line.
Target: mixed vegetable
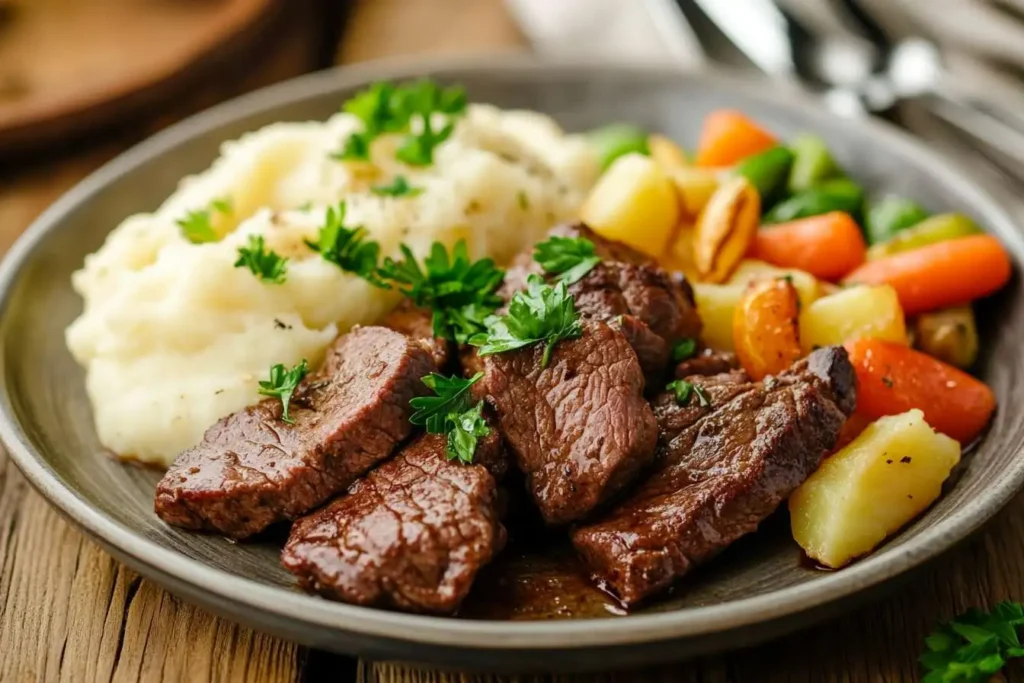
pixel 786 254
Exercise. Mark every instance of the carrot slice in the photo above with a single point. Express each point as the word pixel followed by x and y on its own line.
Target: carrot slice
pixel 728 136
pixel 892 379
pixel 765 330
pixel 940 275
pixel 827 246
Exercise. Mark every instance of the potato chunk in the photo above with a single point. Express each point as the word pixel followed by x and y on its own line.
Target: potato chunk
pixel 871 488
pixel 866 311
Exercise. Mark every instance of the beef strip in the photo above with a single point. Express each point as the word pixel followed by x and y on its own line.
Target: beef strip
pixel 627 290
pixel 673 418
pixel 252 469
pixel 707 362
pixel 418 323
pixel 580 428
pixel 411 535
pixel 723 473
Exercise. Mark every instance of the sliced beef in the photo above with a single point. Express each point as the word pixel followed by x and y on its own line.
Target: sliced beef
pixel 580 428
pixel 722 474
pixel 418 323
pixel 707 362
pixel 252 469
pixel 411 535
pixel 674 417
pixel 628 291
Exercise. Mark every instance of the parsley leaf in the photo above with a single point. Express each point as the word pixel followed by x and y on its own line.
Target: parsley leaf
pixel 399 187
pixel 570 258
pixel 459 291
pixel 974 646
pixel 682 389
pixel 356 148
pixel 542 313
pixel 282 384
pixel 264 263
pixel 448 412
pixel 418 150
pixel 224 205
pixel 702 396
pixel 683 349
pixel 347 248
pixel 197 225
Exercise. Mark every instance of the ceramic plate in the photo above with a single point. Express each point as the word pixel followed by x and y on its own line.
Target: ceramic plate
pixel 755 590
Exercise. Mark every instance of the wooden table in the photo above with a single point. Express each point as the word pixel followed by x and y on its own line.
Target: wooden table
pixel 69 612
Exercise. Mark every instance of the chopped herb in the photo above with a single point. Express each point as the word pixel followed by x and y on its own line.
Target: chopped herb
pixel 399 187
pixel 448 412
pixel 347 248
pixel 305 206
pixel 224 205
pixel 974 646
pixel 542 313
pixel 906 459
pixel 702 396
pixel 459 291
pixel 524 201
pixel 682 390
pixel 683 349
pixel 282 384
pixel 356 148
pixel 418 150
pixel 570 258
pixel 265 264
pixel 197 228
pixel 887 381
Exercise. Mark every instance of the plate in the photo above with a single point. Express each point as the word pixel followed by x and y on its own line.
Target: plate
pixel 757 589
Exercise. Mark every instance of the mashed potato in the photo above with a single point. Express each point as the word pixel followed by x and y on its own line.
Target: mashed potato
pixel 173 336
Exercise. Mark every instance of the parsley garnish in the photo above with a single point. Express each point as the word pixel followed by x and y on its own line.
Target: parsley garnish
pixel 682 389
pixel 702 396
pixel 542 313
pixel 418 149
pixel 224 205
pixel 448 412
pixel 570 258
pixel 282 384
pixel 399 187
pixel 197 225
pixel 347 248
pixel 459 291
pixel 683 349
pixel 974 646
pixel 264 263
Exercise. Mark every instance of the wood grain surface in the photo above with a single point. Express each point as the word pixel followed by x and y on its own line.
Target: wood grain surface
pixel 68 612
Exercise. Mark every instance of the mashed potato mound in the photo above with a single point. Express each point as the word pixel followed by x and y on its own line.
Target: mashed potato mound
pixel 174 337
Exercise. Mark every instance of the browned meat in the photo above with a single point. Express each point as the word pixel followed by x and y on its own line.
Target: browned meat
pixel 707 362
pixel 411 535
pixel 579 429
pixel 628 291
pixel 723 474
pixel 418 323
pixel 674 418
pixel 251 469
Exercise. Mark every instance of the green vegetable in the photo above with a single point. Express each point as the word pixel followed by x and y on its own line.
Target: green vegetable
pixel 282 384
pixel 570 258
pixel 448 412
pixel 460 292
pixel 946 226
pixel 812 163
pixel 224 205
pixel 974 646
pixel 832 195
pixel 264 264
pixel 197 225
pixel 615 140
pixel 347 248
pixel 767 171
pixel 682 389
pixel 541 314
pixel 399 187
pixel 683 349
pixel 890 216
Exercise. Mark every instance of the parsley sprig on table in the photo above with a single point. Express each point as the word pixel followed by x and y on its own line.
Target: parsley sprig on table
pixel 399 187
pixel 448 412
pixel 264 263
pixel 348 248
pixel 197 225
pixel 974 646
pixel 282 384
pixel 540 314
pixel 570 258
pixel 459 291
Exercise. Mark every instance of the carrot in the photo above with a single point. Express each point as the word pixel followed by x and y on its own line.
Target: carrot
pixel 940 275
pixel 765 329
pixel 728 136
pixel 893 378
pixel 827 246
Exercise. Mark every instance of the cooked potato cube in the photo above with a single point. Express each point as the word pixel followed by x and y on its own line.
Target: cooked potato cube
pixel 634 202
pixel 866 311
pixel 871 488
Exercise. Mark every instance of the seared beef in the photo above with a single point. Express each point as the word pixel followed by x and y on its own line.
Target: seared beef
pixel 628 291
pixel 579 429
pixel 723 474
pixel 252 469
pixel 418 323
pixel 707 362
pixel 411 535
pixel 674 418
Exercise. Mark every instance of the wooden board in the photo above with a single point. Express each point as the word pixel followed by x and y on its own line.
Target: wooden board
pixel 67 66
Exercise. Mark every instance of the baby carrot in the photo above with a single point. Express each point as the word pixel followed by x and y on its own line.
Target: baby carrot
pixel 940 275
pixel 827 246
pixel 729 136
pixel 893 378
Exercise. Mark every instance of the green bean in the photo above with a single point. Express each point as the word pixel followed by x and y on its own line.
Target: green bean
pixel 812 163
pixel 891 215
pixel 946 226
pixel 839 194
pixel 766 171
pixel 615 140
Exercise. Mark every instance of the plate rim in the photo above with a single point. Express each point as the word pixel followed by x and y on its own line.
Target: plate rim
pixel 243 594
